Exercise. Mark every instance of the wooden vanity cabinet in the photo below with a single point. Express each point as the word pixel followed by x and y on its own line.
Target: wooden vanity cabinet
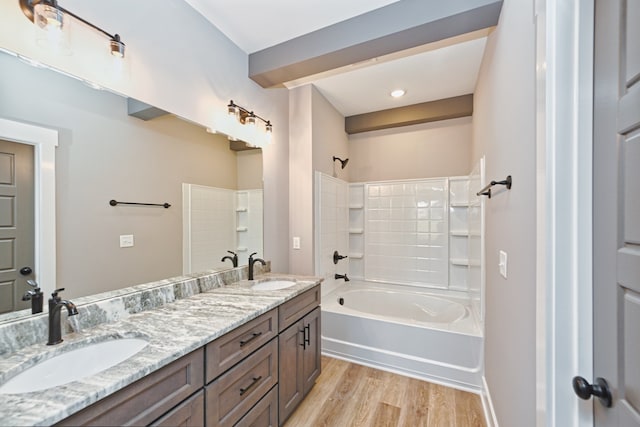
pixel 299 347
pixel 254 375
pixel 149 398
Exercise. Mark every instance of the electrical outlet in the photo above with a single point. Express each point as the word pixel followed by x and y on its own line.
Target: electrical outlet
pixel 503 264
pixel 126 240
pixel 296 243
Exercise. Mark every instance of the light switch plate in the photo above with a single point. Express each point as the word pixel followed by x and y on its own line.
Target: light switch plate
pixel 126 240
pixel 503 264
pixel 296 243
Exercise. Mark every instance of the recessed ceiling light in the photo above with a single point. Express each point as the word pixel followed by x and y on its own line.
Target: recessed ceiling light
pixel 398 93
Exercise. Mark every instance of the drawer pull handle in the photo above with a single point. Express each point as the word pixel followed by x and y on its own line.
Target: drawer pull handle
pixel 307 334
pixel 251 338
pixel 304 338
pixel 247 388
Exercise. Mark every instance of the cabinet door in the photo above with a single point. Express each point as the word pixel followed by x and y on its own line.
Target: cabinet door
pixel 189 413
pixel 311 352
pixel 291 382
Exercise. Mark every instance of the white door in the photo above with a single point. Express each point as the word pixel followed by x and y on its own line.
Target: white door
pixel 616 215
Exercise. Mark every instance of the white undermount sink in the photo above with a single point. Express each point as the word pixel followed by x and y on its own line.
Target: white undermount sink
pixel 273 285
pixel 73 365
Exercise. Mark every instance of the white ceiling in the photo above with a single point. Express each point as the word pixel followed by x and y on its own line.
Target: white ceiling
pixel 435 72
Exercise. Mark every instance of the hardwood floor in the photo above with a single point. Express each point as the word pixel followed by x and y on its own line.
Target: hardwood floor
pixel 351 395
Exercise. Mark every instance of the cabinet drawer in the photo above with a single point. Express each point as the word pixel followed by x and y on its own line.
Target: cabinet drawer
pixel 264 414
pixel 232 347
pixel 148 398
pixel 232 395
pixel 189 413
pixel 292 310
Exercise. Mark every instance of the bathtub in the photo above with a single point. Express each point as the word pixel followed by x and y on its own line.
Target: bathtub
pixel 431 336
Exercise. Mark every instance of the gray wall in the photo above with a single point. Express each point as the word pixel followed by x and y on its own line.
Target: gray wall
pixel 504 131
pixel 105 154
pixel 421 151
pixel 316 135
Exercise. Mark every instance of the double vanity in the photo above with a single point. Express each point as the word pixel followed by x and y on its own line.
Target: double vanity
pixel 209 349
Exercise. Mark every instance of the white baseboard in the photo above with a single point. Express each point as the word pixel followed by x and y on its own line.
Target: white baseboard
pixel 487 405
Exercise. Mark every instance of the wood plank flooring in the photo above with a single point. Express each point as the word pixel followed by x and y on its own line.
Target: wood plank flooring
pixel 351 395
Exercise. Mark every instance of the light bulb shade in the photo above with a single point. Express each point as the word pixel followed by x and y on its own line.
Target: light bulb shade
pixel 232 110
pixel 250 120
pixel 116 47
pixel 51 28
pixel 268 127
pixel 48 17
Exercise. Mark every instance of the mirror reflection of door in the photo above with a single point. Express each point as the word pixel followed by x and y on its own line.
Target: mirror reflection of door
pixel 16 230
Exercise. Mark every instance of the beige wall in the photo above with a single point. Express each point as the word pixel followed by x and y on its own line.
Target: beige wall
pixel 249 169
pixel 504 131
pixel 105 154
pixel 420 151
pixel 329 138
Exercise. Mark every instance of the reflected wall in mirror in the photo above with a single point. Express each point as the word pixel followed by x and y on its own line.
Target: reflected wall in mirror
pixel 103 154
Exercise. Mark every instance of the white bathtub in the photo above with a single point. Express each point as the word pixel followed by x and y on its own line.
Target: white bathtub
pixel 435 337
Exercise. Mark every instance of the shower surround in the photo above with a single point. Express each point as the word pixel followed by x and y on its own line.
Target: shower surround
pixel 419 240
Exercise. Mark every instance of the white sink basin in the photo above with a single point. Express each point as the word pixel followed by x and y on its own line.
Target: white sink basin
pixel 73 365
pixel 273 285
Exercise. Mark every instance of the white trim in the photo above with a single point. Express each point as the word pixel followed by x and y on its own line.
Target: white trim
pixel 487 405
pixel 564 303
pixel 44 141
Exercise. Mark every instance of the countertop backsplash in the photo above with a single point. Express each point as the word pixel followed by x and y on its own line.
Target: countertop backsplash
pixel 117 305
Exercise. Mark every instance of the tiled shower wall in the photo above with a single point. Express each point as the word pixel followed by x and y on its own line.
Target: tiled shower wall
pixel 406 232
pixel 217 220
pixel 331 234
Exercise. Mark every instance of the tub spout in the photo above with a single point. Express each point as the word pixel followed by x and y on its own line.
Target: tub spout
pixel 341 276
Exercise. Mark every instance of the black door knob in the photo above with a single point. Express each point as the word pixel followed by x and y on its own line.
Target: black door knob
pixel 25 271
pixel 600 389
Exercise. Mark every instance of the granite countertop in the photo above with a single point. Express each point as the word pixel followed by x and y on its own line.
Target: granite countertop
pixel 172 330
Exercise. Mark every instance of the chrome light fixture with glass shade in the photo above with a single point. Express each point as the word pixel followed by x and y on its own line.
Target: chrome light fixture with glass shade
pixel 50 18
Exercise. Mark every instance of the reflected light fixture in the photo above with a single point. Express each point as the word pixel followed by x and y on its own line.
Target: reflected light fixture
pixel 247 117
pixel 48 15
pixel 398 93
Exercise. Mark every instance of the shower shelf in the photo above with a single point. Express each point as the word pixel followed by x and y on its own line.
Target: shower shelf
pixel 356 206
pixel 356 231
pixel 464 262
pixel 242 229
pixel 459 233
pixel 241 209
pixel 459 204
pixel 356 255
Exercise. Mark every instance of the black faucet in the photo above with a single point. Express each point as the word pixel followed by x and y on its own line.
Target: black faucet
pixel 55 305
pixel 35 295
pixel 341 276
pixel 251 262
pixel 233 259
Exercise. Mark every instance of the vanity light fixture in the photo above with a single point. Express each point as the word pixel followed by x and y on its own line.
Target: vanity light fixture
pixel 49 16
pixel 398 93
pixel 250 118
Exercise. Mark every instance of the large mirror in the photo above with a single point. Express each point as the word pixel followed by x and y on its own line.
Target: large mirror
pixel 109 148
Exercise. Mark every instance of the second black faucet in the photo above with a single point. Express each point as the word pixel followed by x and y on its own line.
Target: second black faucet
pixel 252 261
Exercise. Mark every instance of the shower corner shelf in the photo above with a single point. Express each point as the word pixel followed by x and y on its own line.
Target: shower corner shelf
pixel 356 255
pixel 241 209
pixel 242 229
pixel 460 233
pixel 241 249
pixel 356 231
pixel 356 206
pixel 459 204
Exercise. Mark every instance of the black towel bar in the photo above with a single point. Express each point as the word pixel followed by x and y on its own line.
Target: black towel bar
pixel 486 191
pixel 115 203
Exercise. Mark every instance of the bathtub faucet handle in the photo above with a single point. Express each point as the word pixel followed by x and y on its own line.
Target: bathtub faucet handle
pixel 341 276
pixel 337 257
